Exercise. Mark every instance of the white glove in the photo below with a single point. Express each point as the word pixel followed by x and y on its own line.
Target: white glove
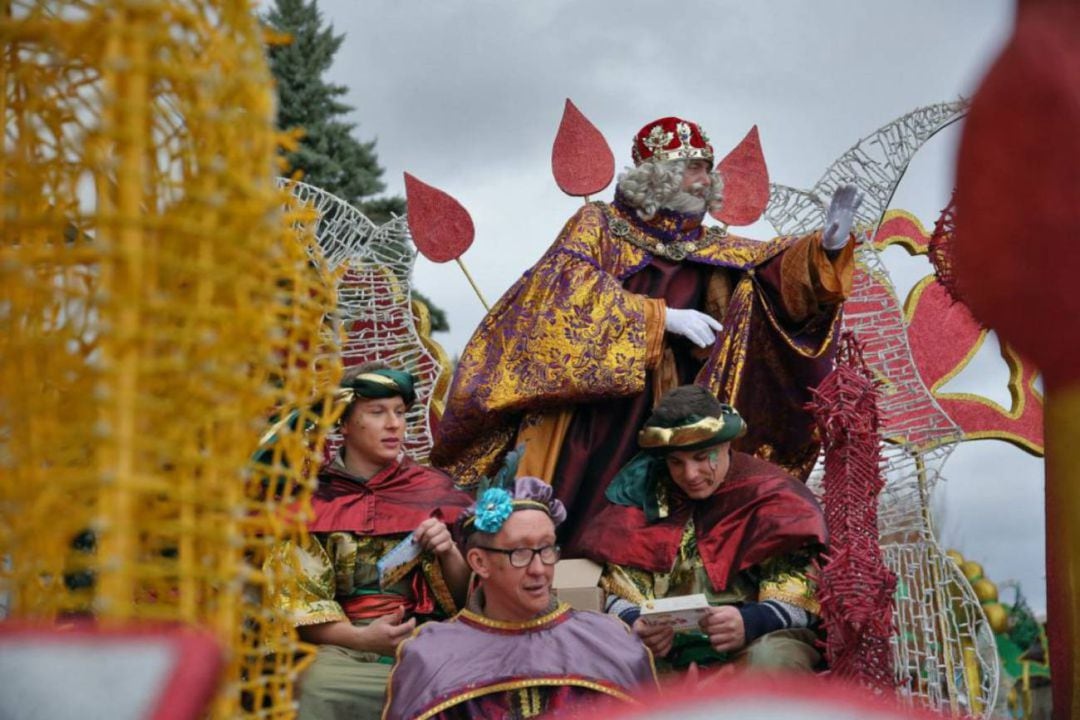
pixel 839 217
pixel 695 326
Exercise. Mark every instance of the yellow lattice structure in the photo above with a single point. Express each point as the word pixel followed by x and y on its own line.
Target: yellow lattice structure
pixel 157 309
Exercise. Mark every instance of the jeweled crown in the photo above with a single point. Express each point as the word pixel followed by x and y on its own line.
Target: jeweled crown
pixel 671 138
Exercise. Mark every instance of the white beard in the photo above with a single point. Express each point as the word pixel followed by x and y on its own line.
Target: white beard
pixel 690 201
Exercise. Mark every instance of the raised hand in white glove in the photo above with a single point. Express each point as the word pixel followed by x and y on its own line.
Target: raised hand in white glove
pixel 839 217
pixel 695 326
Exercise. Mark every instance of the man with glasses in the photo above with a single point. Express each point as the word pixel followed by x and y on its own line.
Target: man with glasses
pixel 514 651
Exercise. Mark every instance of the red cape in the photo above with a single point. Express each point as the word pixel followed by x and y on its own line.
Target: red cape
pixel 757 513
pixel 397 499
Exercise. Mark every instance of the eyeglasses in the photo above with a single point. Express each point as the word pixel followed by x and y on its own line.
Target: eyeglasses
pixel 523 557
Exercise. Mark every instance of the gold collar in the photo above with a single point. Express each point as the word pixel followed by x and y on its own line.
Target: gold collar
pixel 670 243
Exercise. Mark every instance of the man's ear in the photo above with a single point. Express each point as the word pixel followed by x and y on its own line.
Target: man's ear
pixel 478 561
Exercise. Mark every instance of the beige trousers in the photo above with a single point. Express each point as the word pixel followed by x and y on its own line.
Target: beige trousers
pixel 343 684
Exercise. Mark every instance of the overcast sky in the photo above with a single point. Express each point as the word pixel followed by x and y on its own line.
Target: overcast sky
pixel 467 96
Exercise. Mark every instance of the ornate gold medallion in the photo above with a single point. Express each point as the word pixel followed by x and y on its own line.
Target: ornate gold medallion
pixel 677 251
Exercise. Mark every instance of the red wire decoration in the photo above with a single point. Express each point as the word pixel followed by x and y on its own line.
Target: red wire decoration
pixel 941 252
pixel 856 587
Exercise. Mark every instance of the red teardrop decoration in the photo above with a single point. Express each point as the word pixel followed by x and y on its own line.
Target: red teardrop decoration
pixel 441 227
pixel 746 182
pixel 581 159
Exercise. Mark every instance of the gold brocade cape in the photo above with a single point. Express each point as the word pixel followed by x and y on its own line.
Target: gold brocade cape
pixel 568 332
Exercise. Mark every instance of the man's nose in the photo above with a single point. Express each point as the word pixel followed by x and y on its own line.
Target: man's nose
pixel 535 566
pixel 699 470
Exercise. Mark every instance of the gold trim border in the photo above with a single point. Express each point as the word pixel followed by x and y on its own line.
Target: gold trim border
pixel 695 432
pixel 522 684
pixel 560 610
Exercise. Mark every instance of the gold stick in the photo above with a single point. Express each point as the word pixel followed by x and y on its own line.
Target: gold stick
pixel 473 283
pixel 1062 419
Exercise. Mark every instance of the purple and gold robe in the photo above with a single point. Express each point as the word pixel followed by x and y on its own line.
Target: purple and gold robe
pixel 473 666
pixel 573 356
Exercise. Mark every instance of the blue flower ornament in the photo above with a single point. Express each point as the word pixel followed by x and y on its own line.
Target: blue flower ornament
pixel 492 509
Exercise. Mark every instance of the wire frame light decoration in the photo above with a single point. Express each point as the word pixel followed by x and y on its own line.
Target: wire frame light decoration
pixel 160 303
pixel 943 652
pixel 372 268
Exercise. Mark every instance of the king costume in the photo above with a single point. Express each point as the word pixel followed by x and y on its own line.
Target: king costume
pixel 575 353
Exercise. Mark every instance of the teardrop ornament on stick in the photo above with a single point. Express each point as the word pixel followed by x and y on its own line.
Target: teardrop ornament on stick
pixel 441 227
pixel 581 159
pixel 746 182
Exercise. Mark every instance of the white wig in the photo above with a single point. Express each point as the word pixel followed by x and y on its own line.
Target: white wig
pixel 657 184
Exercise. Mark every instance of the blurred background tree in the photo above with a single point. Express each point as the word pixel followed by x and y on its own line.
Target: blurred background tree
pixel 328 156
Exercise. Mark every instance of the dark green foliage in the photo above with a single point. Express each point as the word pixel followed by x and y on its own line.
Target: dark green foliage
pixel 438 317
pixel 380 210
pixel 329 155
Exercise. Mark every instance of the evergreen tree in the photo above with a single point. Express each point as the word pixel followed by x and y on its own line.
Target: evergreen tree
pixel 329 155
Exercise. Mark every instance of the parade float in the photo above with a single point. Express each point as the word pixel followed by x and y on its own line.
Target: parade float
pixel 166 305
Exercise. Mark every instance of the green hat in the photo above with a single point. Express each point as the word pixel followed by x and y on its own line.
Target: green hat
pixel 640 482
pixel 375 384
pixel 693 432
pixel 378 384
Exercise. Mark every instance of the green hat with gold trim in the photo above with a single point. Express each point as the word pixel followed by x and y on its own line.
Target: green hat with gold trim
pixel 695 432
pixel 379 384
pixel 686 418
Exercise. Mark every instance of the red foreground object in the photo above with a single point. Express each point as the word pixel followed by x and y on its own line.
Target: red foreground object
pixel 161 673
pixel 761 697
pixel 1017 262
pixel 1017 249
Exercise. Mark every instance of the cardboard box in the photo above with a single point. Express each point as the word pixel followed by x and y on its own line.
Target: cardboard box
pixel 681 613
pixel 575 584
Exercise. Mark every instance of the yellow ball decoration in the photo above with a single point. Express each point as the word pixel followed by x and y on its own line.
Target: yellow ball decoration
pixel 997 616
pixel 955 556
pixel 971 569
pixel 985 590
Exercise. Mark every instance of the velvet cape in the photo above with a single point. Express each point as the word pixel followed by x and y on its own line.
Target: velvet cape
pixel 759 512
pixel 395 500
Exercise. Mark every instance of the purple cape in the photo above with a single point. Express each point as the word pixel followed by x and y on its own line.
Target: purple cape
pixel 448 663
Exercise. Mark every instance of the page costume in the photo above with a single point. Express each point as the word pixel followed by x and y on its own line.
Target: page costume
pixel 750 543
pixel 357 521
